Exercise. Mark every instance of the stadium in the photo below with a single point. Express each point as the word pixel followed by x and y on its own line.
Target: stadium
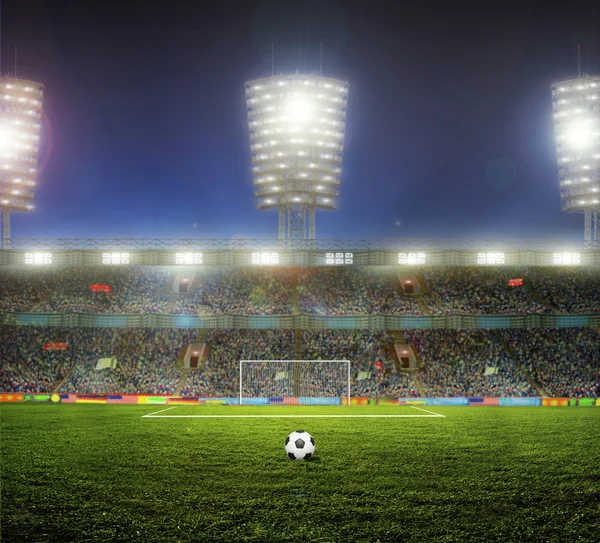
pixel 452 386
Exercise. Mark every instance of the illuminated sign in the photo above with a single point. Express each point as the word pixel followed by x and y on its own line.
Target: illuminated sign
pixel 411 258
pixel 115 258
pixel 490 258
pixel 188 258
pixel 337 259
pixel 566 259
pixel 265 259
pixel 38 258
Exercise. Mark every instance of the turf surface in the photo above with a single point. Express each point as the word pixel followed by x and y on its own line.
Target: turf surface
pixel 96 473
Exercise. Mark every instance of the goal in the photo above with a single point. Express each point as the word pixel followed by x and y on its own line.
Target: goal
pixel 294 379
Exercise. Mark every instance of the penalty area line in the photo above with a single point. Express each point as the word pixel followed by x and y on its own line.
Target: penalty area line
pixel 161 411
pixel 436 414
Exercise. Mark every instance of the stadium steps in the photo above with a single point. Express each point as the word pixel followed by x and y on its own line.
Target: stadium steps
pixel 423 306
pixel 295 296
pixel 298 344
pixel 419 384
pixel 523 371
pixel 424 287
pixel 179 361
pixel 171 303
pixel 201 337
pixel 57 387
pixel 400 340
pixel 37 305
pixel 184 375
pixel 538 297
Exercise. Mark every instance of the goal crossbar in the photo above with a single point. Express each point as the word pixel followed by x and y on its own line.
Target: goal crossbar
pixel 290 362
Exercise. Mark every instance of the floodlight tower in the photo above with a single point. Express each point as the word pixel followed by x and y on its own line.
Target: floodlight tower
pixel 296 125
pixel 20 124
pixel 576 105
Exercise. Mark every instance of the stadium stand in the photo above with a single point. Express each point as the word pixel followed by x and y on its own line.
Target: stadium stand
pixel 570 290
pixel 478 291
pixel 240 291
pixel 566 362
pixel 353 291
pixel 455 363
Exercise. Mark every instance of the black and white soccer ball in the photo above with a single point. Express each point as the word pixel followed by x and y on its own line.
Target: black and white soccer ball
pixel 300 445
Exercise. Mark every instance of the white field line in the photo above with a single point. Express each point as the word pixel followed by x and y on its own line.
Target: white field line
pixel 436 414
pixel 161 411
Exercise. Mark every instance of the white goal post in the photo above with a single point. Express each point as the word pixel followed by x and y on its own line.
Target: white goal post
pixel 294 379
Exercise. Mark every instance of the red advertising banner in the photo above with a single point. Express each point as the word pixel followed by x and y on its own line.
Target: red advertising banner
pixel 515 282
pixel 56 346
pixel 99 288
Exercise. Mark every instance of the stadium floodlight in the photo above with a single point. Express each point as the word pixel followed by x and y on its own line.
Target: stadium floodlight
pixel 20 125
pixel 490 258
pixel 576 107
pixel 115 258
pixel 411 258
pixel 265 259
pixel 188 258
pixel 336 259
pixel 566 259
pixel 296 124
pixel 38 259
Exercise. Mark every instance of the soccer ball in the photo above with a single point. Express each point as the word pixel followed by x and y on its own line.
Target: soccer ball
pixel 300 445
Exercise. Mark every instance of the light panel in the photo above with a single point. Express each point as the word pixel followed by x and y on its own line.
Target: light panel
pixel 490 258
pixel 411 258
pixel 20 126
pixel 38 259
pixel 265 259
pixel 188 258
pixel 339 259
pixel 576 108
pixel 115 258
pixel 566 259
pixel 297 125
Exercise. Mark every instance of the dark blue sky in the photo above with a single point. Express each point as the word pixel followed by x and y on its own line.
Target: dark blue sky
pixel 449 129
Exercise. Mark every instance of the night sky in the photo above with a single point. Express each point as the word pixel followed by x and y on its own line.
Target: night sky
pixel 449 131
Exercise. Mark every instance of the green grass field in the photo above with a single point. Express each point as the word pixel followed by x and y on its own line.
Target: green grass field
pixel 96 473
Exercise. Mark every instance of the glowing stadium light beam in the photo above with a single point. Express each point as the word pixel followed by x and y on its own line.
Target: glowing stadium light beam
pixel 577 131
pixel 580 134
pixel 299 110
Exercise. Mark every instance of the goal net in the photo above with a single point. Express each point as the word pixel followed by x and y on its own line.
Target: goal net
pixel 294 379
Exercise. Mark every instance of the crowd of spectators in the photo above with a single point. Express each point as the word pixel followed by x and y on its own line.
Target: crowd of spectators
pixel 240 291
pixel 353 291
pixel 145 360
pixel 484 291
pixel 364 349
pixel 137 289
pixel 26 367
pixel 565 362
pixel 21 290
pixel 132 290
pixel 227 347
pixel 569 290
pixel 455 363
pixel 327 291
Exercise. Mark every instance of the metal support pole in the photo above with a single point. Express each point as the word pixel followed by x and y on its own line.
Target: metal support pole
pixel 6 228
pixel 282 213
pixel 311 223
